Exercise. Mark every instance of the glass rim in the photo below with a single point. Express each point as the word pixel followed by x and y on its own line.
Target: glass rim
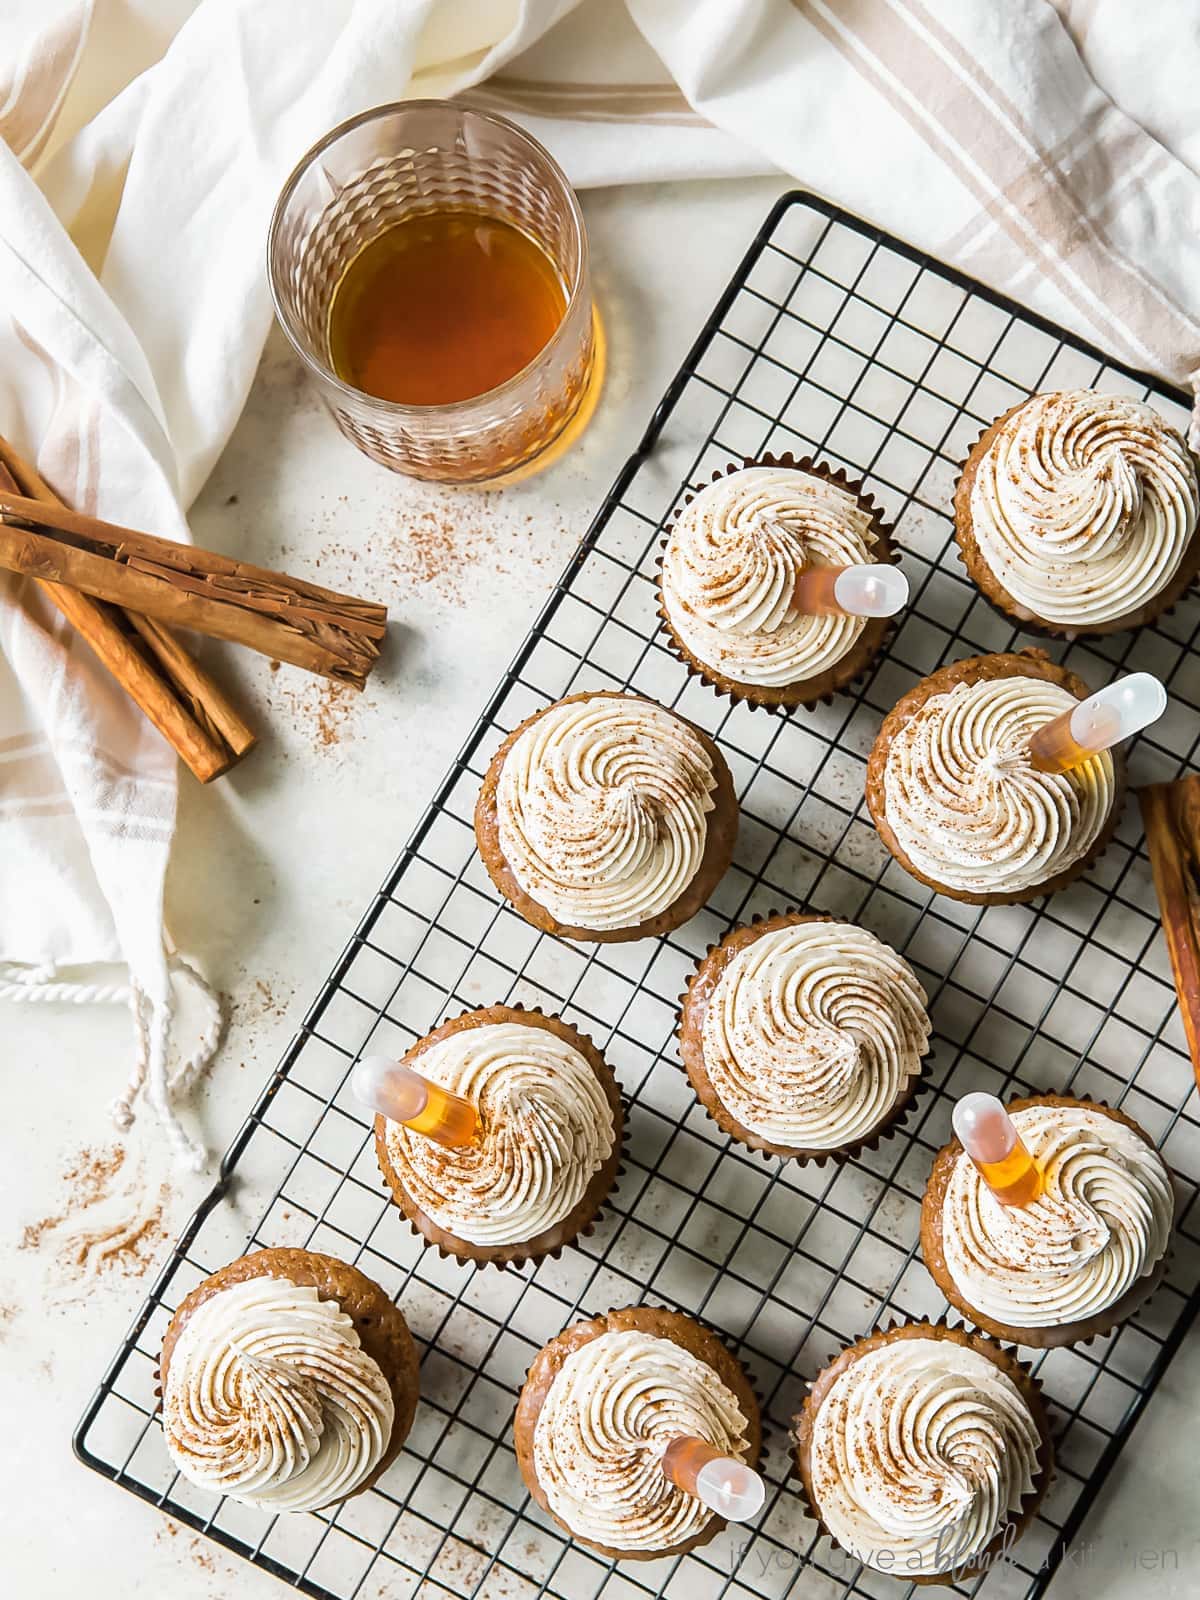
pixel 283 316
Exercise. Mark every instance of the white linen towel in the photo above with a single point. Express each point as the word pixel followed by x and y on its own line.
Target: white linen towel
pixel 144 142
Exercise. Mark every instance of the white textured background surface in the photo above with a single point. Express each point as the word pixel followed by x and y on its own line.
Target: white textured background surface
pixel 274 864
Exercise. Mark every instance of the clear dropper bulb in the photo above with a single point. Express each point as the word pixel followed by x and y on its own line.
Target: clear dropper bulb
pixel 1097 723
pixel 723 1483
pixel 402 1095
pixel 876 590
pixel 989 1136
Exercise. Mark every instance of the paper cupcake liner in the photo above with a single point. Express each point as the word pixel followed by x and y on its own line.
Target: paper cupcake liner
pixel 1147 615
pixel 1102 1323
pixel 894 1119
pixel 756 1460
pixel 760 697
pixel 518 1255
pixel 875 804
pixel 1032 1390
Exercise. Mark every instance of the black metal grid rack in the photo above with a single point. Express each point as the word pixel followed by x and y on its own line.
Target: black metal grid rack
pixel 831 339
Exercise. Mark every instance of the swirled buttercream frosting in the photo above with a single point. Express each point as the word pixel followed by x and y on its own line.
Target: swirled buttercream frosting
pixel 1082 506
pixel 812 1033
pixel 1102 1221
pixel 602 810
pixel 732 560
pixel 615 1405
pixel 546 1129
pixel 922 1449
pixel 965 803
pixel 270 1398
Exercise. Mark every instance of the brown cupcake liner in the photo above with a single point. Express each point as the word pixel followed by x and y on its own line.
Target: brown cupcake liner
pixel 1063 1335
pixel 563 1234
pixel 381 1327
pixel 1183 585
pixel 730 1367
pixel 1006 1359
pixel 721 837
pixel 1029 661
pixel 783 700
pixel 893 1120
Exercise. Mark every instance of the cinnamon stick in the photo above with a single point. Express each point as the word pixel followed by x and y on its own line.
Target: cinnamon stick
pixel 1171 813
pixel 286 618
pixel 173 692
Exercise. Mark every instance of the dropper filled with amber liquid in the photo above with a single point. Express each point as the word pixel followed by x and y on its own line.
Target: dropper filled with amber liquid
pixel 401 1095
pixel 723 1483
pixel 1097 723
pixel 989 1136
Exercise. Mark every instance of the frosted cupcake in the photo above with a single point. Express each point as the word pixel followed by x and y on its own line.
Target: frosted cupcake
pixel 289 1381
pixel 1076 1261
pixel 601 1404
pixel 956 799
pixel 924 1452
pixel 1078 512
pixel 606 817
pixel 730 569
pixel 804 1036
pixel 548 1146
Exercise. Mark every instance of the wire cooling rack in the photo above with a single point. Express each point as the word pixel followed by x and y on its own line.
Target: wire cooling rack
pixel 834 339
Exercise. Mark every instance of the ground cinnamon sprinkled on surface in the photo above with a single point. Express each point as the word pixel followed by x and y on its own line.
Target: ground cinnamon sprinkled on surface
pixel 326 709
pixel 102 1228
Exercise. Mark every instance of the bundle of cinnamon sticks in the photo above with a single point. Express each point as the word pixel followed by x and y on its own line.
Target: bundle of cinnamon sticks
pixel 125 591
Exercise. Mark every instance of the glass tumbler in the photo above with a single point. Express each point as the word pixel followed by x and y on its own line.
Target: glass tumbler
pixel 371 173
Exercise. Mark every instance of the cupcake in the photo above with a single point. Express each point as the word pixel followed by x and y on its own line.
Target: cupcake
pixel 1078 513
pixel 924 1451
pixel 729 572
pixel 956 799
pixel 600 1405
pixel 547 1152
pixel 289 1381
pixel 1076 1261
pixel 803 1036
pixel 606 817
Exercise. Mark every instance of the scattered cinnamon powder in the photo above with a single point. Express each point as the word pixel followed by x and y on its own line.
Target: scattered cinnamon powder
pixel 328 709
pixel 107 1225
pixel 202 1554
pixel 438 544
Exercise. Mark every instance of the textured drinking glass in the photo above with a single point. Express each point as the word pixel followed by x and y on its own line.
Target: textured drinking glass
pixel 375 171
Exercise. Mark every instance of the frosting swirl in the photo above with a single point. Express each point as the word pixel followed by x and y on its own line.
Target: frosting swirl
pixel 966 805
pixel 731 565
pixel 602 807
pixel 1102 1221
pixel 813 1032
pixel 615 1405
pixel 270 1398
pixel 546 1130
pixel 1083 505
pixel 921 1451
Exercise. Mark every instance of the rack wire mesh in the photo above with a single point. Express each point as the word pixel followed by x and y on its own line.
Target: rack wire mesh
pixel 831 339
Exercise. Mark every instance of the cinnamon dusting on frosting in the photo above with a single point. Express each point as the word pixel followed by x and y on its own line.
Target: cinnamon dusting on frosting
pixel 965 803
pixel 614 1406
pixel 546 1130
pixel 922 1449
pixel 601 809
pixel 732 561
pixel 270 1398
pixel 1083 505
pixel 1103 1221
pixel 813 1032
